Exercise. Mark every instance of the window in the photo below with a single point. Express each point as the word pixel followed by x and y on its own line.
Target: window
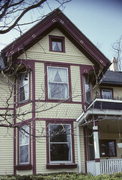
pixel 58 87
pixel 60 143
pixel 87 90
pixel 23 87
pixel 106 93
pixel 107 148
pixel 56 43
pixel 24 145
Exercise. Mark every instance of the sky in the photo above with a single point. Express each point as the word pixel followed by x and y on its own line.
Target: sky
pixel 99 20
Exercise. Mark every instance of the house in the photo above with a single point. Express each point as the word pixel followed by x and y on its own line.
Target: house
pixel 61 109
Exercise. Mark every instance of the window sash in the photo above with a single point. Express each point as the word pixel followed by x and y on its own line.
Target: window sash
pixel 24 143
pixel 107 94
pixel 108 148
pixel 57 45
pixel 24 87
pixel 58 85
pixel 68 143
pixel 87 90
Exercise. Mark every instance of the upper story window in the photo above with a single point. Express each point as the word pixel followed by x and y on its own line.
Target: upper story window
pixel 106 93
pixel 58 85
pixel 60 143
pixel 24 145
pixel 87 89
pixel 56 44
pixel 23 87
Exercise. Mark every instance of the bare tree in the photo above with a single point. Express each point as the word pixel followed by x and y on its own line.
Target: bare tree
pixel 12 11
pixel 117 46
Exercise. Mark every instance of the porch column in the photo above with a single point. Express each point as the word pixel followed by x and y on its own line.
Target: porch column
pixel 96 149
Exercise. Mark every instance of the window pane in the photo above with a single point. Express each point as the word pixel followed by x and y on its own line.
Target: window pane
pixel 58 91
pixel 87 90
pixel 57 83
pixel 60 152
pixel 57 46
pixel 106 94
pixel 111 148
pixel 24 154
pixel 59 133
pixel 24 87
pixel 60 142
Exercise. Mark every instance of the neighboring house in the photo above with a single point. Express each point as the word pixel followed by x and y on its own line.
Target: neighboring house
pixel 56 95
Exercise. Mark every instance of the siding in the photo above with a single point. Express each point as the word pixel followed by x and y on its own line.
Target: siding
pixel 6 151
pixel 40 51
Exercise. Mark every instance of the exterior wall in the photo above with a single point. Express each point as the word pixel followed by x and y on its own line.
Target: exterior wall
pixel 6 151
pixel 40 51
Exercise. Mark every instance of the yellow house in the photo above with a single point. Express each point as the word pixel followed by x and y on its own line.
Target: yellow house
pixel 54 96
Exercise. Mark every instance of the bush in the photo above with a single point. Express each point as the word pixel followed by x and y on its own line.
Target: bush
pixel 64 176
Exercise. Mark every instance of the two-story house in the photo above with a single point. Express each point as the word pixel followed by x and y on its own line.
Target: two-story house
pixel 58 108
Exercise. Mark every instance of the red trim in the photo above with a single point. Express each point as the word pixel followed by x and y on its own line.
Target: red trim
pixel 24 167
pixel 33 122
pixel 14 132
pixel 53 64
pixel 54 121
pixel 6 108
pixel 97 160
pixel 61 166
pixel 56 19
pixel 57 38
pixel 55 101
pixel 22 103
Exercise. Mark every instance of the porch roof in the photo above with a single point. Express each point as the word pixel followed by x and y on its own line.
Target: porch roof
pixel 103 107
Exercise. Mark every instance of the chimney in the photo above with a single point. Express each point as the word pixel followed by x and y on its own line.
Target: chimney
pixel 115 64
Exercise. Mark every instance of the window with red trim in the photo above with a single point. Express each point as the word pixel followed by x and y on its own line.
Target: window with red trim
pixel 23 91
pixel 24 145
pixel 60 143
pixel 56 44
pixel 57 82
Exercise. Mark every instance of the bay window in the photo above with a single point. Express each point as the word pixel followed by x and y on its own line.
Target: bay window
pixel 60 143
pixel 24 145
pixel 58 85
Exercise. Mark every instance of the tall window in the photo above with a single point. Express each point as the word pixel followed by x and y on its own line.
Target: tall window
pixel 106 93
pixel 56 43
pixel 58 86
pixel 23 87
pixel 24 145
pixel 60 143
pixel 87 89
pixel 107 148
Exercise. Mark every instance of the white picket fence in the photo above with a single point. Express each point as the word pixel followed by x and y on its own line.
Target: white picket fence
pixel 110 166
pixel 107 166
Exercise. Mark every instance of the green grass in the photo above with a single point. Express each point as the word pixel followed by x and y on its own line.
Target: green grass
pixel 64 176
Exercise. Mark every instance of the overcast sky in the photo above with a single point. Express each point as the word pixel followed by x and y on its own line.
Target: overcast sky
pixel 99 20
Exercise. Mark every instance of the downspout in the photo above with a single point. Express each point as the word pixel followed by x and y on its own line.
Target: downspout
pixel 79 150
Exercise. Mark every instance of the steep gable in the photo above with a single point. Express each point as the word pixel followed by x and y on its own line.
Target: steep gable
pixel 57 19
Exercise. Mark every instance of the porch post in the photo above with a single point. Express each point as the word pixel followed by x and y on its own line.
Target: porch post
pixel 96 149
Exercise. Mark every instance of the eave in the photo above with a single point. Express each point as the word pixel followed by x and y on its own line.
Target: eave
pixel 53 20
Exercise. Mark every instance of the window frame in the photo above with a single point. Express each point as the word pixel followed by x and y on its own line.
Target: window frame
pixel 90 86
pixel 29 87
pixel 106 141
pixel 29 147
pixel 57 39
pixel 107 89
pixel 55 65
pixel 61 164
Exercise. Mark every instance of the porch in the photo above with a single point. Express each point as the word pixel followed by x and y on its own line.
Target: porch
pixel 102 125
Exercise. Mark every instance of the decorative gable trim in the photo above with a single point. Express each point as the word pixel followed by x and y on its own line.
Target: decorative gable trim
pixel 56 19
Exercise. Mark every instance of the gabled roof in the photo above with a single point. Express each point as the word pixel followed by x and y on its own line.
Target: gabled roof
pixel 59 20
pixel 112 78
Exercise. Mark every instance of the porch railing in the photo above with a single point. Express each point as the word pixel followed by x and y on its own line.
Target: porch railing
pixel 110 166
pixel 107 166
